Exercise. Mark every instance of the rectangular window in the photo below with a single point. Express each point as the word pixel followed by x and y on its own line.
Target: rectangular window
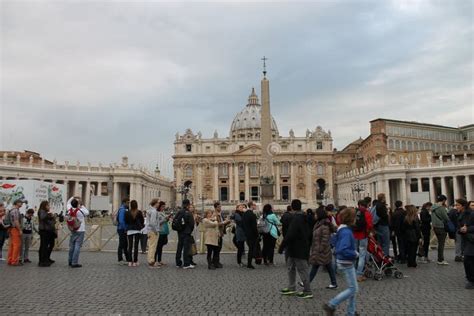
pixel 300 147
pixel 285 193
pixel 319 145
pixel 253 170
pixel 223 170
pixel 223 196
pixel 189 148
pixel 223 147
pixel 241 170
pixel 285 169
pixel 254 193
pixel 208 149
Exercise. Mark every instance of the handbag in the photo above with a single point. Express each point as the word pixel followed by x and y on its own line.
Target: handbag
pixel 193 249
pixel 448 226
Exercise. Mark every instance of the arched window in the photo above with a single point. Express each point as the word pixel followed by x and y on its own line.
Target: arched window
pixel 409 146
pixel 415 145
pixel 390 144
pixel 397 144
pixel 188 171
pixel 320 169
pixel 404 145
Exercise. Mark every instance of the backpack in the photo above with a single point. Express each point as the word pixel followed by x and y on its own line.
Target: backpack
pixel 360 223
pixel 73 223
pixel 7 221
pixel 263 226
pixel 375 217
pixel 178 222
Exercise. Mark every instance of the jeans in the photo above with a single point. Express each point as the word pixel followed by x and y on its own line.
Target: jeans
pixel 25 246
pixel 383 237
pixel 331 272
pixel 240 245
pixel 350 292
pixel 426 242
pixel 46 245
pixel 300 265
pixel 184 250
pixel 252 243
pixel 362 248
pixel 459 245
pixel 441 236
pixel 75 244
pixel 123 244
pixel 3 237
pixel 162 241
pixel 133 241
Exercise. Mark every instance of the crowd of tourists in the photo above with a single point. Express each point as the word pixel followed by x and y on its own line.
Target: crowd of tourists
pixel 333 238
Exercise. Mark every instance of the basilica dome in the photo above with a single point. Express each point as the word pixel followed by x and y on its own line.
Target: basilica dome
pixel 248 121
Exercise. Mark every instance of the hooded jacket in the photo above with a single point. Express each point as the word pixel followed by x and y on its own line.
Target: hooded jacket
pixel 439 215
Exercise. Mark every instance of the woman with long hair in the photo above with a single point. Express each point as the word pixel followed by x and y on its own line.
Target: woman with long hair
pixel 239 233
pixel 135 223
pixel 321 254
pixel 425 225
pixel 164 231
pixel 211 238
pixel 47 232
pixel 270 238
pixel 410 229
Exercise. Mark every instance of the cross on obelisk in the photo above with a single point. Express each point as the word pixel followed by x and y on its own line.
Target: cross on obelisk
pixel 264 65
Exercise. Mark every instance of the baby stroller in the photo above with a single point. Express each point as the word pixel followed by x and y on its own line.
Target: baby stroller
pixel 378 265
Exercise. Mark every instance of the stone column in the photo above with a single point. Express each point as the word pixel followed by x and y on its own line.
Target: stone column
pixel 116 196
pixel 277 182
pixel 247 182
pixel 230 169
pixel 407 191
pixel 87 197
pixel 456 190
pixel 468 188
pixel 133 191
pixel 308 186
pixel 420 185
pixel 139 197
pixel 444 189
pixel 293 181
pixel 98 189
pixel 199 179
pixel 236 181
pixel 386 190
pixel 432 190
pixel 215 185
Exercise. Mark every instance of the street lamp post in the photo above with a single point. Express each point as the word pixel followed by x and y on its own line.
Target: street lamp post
pixel 357 187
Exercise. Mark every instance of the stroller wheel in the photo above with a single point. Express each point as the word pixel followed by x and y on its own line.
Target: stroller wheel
pixel 369 274
pixel 398 274
pixel 378 276
pixel 388 272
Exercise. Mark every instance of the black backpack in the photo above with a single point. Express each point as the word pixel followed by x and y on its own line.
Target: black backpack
pixel 360 224
pixel 178 222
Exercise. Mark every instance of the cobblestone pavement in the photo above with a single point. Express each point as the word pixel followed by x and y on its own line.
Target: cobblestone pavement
pixel 103 287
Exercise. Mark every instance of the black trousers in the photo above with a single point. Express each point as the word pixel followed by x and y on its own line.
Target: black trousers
pixel 133 241
pixel 183 250
pixel 426 242
pixel 402 248
pixel 143 241
pixel 123 245
pixel 268 248
pixel 252 244
pixel 162 241
pixel 46 245
pixel 393 239
pixel 217 258
pixel 411 247
pixel 212 252
pixel 469 268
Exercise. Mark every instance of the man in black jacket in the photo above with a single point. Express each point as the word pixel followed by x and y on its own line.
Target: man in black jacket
pixel 249 222
pixel 184 237
pixel 297 243
pixel 396 223
pixel 467 233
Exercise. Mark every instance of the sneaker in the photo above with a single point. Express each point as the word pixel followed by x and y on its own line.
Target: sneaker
pixel 331 286
pixel 301 284
pixel 330 311
pixel 2 259
pixel 469 286
pixel 154 265
pixel 76 265
pixel 250 267
pixel 287 291
pixel 423 260
pixel 443 263
pixel 217 265
pixel 51 261
pixel 304 295
pixel 241 265
pixel 27 261
pixel 361 278
pixel 189 267
pixel 458 259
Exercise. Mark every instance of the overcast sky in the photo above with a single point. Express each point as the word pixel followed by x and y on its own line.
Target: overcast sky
pixel 93 81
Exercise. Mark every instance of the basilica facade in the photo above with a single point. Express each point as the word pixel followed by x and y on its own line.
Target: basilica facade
pixel 229 169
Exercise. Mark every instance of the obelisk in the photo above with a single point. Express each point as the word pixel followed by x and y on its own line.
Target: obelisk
pixel 266 174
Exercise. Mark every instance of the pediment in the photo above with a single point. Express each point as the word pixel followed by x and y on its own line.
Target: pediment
pixel 249 150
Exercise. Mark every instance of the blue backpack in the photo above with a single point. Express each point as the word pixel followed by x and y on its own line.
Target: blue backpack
pixel 375 217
